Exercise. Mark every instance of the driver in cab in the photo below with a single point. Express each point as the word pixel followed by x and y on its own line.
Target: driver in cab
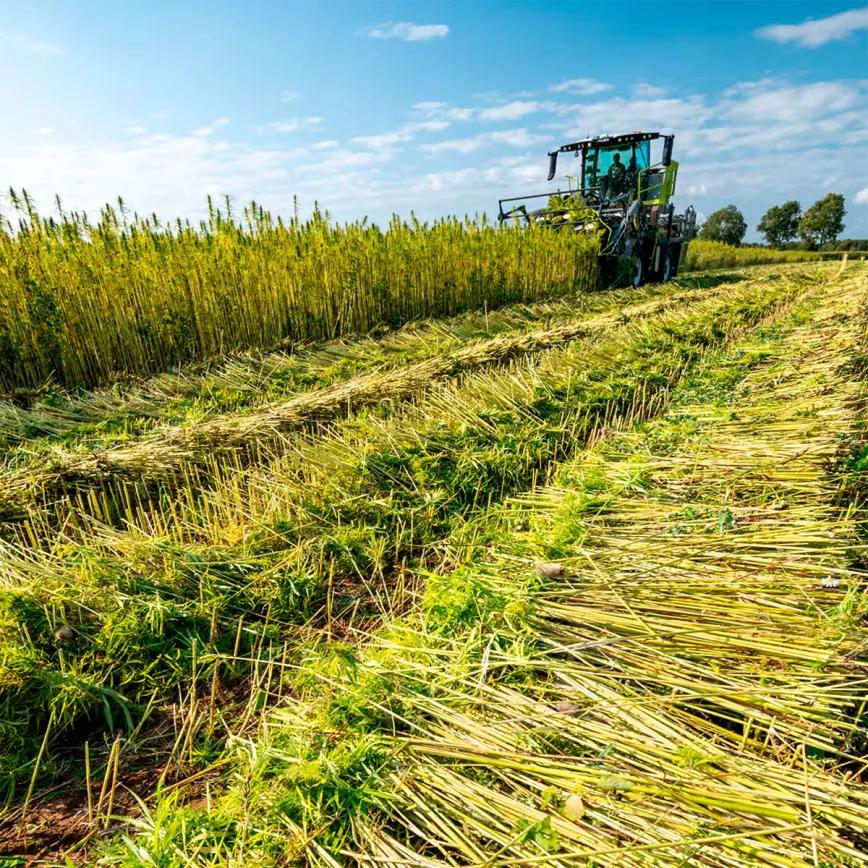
pixel 617 174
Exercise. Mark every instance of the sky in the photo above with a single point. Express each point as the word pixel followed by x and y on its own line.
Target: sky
pixel 375 108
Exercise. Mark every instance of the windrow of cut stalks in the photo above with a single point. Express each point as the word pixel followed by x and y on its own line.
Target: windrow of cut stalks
pixel 657 659
pixel 83 301
pixel 129 409
pixel 317 538
pixel 150 468
pixel 113 415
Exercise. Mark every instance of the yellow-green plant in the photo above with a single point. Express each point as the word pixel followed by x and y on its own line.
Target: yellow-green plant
pixel 684 684
pixel 82 301
pixel 703 254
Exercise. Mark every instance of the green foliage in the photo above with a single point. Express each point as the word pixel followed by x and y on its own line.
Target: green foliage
pixel 540 834
pixel 168 834
pixel 780 223
pixel 461 600
pixel 325 782
pixel 823 221
pixel 725 225
pixel 525 719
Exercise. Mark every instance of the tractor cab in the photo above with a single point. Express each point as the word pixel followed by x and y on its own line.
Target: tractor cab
pixel 632 166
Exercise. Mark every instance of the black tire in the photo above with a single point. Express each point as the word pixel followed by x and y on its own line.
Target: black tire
pixel 666 266
pixel 639 269
pixel 674 259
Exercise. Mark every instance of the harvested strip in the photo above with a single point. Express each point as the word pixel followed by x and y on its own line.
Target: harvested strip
pixel 389 754
pixel 164 455
pixel 684 690
pixel 326 528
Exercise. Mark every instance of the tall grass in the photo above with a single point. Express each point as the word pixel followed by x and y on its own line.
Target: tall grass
pixel 82 300
pixel 702 254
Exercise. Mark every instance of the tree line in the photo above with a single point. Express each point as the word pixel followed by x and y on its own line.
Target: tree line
pixel 786 225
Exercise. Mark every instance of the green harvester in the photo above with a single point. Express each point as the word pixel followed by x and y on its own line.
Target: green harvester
pixel 623 195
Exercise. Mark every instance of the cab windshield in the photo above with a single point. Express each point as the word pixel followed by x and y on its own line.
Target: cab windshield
pixel 598 160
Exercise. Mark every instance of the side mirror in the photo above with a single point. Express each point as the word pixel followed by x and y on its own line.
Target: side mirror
pixel 553 164
pixel 667 149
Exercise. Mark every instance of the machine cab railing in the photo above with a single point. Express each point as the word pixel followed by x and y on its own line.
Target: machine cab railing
pixel 656 185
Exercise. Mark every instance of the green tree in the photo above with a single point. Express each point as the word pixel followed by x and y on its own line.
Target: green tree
pixel 726 225
pixel 823 221
pixel 781 223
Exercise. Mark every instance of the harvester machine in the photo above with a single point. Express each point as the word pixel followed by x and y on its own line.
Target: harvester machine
pixel 622 195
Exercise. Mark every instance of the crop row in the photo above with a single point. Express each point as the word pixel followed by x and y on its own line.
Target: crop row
pixel 135 465
pixel 310 537
pixel 656 659
pixel 84 302
pixel 702 254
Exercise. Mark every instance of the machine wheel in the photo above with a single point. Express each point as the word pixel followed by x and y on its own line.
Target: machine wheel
pixel 666 267
pixel 638 276
pixel 674 259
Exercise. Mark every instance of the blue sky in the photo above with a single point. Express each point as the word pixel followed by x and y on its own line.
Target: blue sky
pixel 380 107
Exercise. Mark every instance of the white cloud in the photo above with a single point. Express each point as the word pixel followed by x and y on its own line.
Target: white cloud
pixel 292 124
pixel 28 45
pixel 518 138
pixel 581 86
pixel 216 124
pixel 460 146
pixel 430 106
pixel 648 91
pixel 289 126
pixel 815 32
pixel 508 172
pixel 443 111
pixel 402 134
pixel 408 32
pixel 509 111
pixel 289 96
pixel 766 116
pixel 163 173
pixel 606 116
pixel 770 101
pixel 459 114
pixel 499 96
pixel 757 143
pixel 347 159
